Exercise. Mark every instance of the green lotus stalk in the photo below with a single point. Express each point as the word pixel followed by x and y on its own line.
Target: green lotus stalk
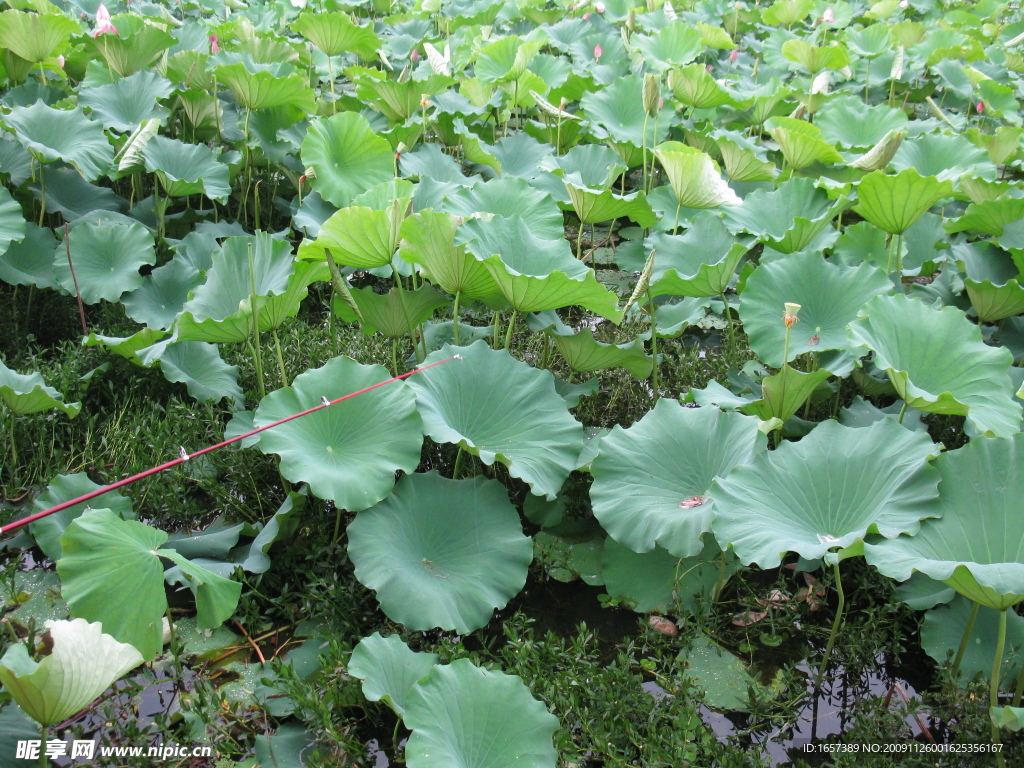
pixel 254 346
pixel 650 103
pixel 280 358
pixel 455 318
pixel 993 686
pixel 967 634
pixel 835 623
pixel 655 382
pixel 400 289
pixel 511 327
pixel 330 79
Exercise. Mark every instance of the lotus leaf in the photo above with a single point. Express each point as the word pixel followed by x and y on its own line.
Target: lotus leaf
pixel 357 237
pixel 29 261
pixel 743 159
pixel 570 550
pixel 802 144
pixel 334 34
pixel 84 662
pixel 534 274
pixel 28 393
pixel 58 134
pixel 830 298
pixel 347 157
pixel 501 410
pixel 593 206
pixel 265 88
pixel 467 716
pixel 441 553
pixel 350 451
pixel 829 490
pixel 651 480
pixel 894 203
pixel 850 123
pixel 428 239
pixel 672 45
pixel 389 669
pixel 127 347
pixel 943 628
pixel 815 58
pixel 974 547
pixel 107 256
pixel 787 218
pixel 510 198
pixel 694 177
pixel 163 293
pixel 35 37
pixel 585 354
pixel 395 314
pixel 698 263
pixel 938 362
pixel 694 87
pixel 778 396
pixel 133 47
pixel 617 113
pixel 198 366
pixel 125 104
pixel 187 169
pixel 102 553
pixel 48 530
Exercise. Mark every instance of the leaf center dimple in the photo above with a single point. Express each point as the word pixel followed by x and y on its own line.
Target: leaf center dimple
pixel 693 501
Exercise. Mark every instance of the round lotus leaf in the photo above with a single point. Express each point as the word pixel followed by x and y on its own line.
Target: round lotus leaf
pixel 975 546
pixel 349 452
pixel 334 33
pixel 939 363
pixel 788 217
pixel 30 261
pixel 35 37
pixel 48 530
pixel 428 239
pixel 106 256
pixel 651 480
pixel 441 553
pixel 62 134
pixel 25 393
pixel 389 669
pixel 827 491
pixel 469 717
pixel 125 104
pixel 694 176
pixel 943 629
pixel 830 297
pixel 347 157
pixel 500 410
pixel 893 203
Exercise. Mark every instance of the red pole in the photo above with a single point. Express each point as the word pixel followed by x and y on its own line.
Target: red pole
pixel 186 456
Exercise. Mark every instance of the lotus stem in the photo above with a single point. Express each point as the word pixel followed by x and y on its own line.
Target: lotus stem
pixel 330 78
pixel 643 147
pixel 455 318
pixel 993 686
pixel 457 470
pixel 74 278
pixel 496 322
pixel 546 353
pixel 511 327
pixel 1019 689
pixel 728 319
pixel 963 641
pixel 903 410
pixel 280 358
pixel 835 624
pixel 679 209
pixel 42 196
pixel 408 320
pixel 579 241
pixel 254 348
pixel 44 733
pixel 14 449
pixel 394 356
pixel 337 524
pixel 655 382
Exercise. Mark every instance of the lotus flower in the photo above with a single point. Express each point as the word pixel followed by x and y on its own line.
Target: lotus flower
pixel 733 55
pixel 414 56
pixel 828 17
pixel 980 106
pixel 598 52
pixel 60 61
pixel 599 6
pixel 214 47
pixel 103 25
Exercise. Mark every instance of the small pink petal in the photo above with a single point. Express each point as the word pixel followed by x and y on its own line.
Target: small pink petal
pixel 980 107
pixel 733 55
pixel 828 17
pixel 60 60
pixel 214 47
pixel 415 55
pixel 586 15
pixel 102 14
pixel 597 51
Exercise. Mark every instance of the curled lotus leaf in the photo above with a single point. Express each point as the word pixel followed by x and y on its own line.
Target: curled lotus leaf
pixel 441 553
pixel 62 134
pixel 29 393
pixel 501 410
pixel 467 716
pixel 828 491
pixel 651 480
pixel 389 669
pixel 349 452
pixel 975 545
pixel 694 177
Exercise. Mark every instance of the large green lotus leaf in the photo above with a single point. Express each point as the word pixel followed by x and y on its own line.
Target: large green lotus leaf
pixel 830 297
pixel 102 554
pixel 698 263
pixel 163 293
pixel 187 169
pixel 783 393
pixel 585 354
pixel 264 88
pixel 975 546
pixel 815 58
pixel 334 34
pixel 658 580
pixel 389 669
pixel 510 197
pixel 501 410
pixel 947 156
pixel 62 134
pixel 48 530
pixel 534 274
pixel 596 165
pixel 199 366
pixel 802 144
pixel 441 553
pixel 29 261
pixel 35 37
pixel 851 123
pixel 135 46
pixel 995 302
pixel 349 452
pixel 428 239
pixel 346 156
pixel 83 663
pixel 694 177
pixel 937 362
pixel 673 45
pixel 893 203
pixel 216 596
pixel 357 237
pixel 395 313
pixel 651 480
pixel 127 347
pixel 788 217
pixel 744 160
pixel 17 727
pixel 107 256
pixel 220 309
pixel 12 222
pixel 396 100
pixel 943 629
pixel 694 87
pixel 594 206
pixel 990 217
pixel 28 393
pixel 465 716
pixel 125 104
pixel 617 113
pixel 829 490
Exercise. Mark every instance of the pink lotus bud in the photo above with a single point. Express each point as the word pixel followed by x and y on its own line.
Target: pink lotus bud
pixel 733 55
pixel 709 68
pixel 214 47
pixel 60 60
pixel 599 6
pixel 103 25
pixel 828 16
pixel 661 103
pixel 415 55
pixel 980 107
pixel 586 15
pixel 598 51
